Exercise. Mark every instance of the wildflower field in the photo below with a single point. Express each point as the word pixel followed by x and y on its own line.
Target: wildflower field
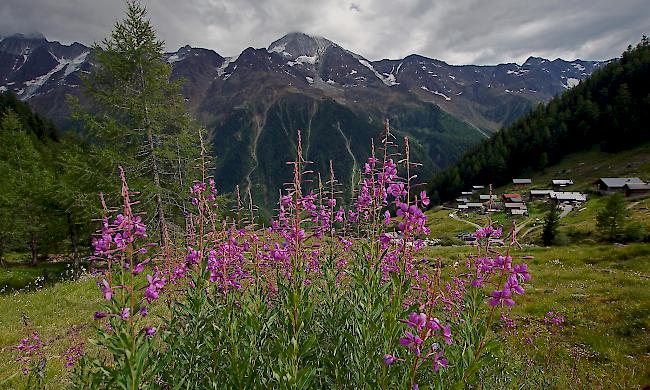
pixel 330 296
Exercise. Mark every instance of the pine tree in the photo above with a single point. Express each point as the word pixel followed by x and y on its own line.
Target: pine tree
pixel 139 115
pixel 551 224
pixel 611 219
pixel 24 207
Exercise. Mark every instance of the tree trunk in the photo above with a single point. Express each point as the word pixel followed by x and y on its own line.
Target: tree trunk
pixel 156 181
pixel 76 261
pixel 155 168
pixel 34 250
pixel 2 252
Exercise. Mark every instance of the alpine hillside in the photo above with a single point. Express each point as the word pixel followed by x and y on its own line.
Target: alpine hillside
pixel 254 103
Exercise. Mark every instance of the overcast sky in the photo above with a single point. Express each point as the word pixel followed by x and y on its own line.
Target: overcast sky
pixel 456 31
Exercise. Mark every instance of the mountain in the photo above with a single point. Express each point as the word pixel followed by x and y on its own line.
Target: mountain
pixel 254 103
pixel 609 110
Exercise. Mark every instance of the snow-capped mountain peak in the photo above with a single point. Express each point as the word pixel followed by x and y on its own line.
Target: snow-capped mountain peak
pixel 297 44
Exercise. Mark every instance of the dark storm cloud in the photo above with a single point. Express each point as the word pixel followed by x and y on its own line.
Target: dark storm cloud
pixel 457 31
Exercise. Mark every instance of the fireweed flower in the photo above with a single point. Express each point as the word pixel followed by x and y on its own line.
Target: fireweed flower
pixel 156 283
pixel 389 359
pixel 412 341
pixel 30 353
pixel 424 198
pixel 140 266
pixel 106 290
pixel 513 285
pixel 521 271
pixel 501 297
pixel 416 320
pixel 553 321
pixel 439 362
pixel 387 217
pixel 99 314
pixel 73 354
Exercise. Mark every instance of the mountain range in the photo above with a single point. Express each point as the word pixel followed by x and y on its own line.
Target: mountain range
pixel 254 103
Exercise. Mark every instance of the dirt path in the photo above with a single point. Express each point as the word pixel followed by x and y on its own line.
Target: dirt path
pixel 457 218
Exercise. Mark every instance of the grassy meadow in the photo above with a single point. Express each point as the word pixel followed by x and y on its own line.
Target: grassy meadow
pixel 602 290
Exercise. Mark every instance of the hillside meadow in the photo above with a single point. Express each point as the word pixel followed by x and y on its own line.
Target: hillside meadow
pixel 602 290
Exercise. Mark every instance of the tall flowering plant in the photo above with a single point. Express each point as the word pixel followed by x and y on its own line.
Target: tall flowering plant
pixel 325 296
pixel 451 336
pixel 129 284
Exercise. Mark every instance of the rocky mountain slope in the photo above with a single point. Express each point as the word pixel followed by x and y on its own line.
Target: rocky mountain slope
pixel 254 103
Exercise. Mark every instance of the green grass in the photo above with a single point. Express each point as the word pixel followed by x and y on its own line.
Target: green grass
pixel 57 312
pixel 602 289
pixel 604 292
pixel 19 275
pixel 585 168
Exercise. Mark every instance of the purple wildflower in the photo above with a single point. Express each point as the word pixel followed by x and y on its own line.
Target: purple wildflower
pixel 439 362
pixel 389 359
pixel 501 297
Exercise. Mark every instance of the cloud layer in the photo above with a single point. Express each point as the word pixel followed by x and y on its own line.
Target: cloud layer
pixel 456 31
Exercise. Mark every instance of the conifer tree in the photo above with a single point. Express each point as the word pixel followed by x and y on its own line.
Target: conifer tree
pixel 139 119
pixel 551 223
pixel 611 219
pixel 24 210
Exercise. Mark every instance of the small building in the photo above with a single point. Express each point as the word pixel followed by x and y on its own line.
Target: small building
pixel 519 211
pixel 462 200
pixel 474 205
pixel 608 185
pixel 522 182
pixel 476 188
pixel 573 197
pixel 466 193
pixel 462 207
pixel 512 198
pixel 561 183
pixel 488 197
pixel 632 189
pixel 540 194
pixel 515 205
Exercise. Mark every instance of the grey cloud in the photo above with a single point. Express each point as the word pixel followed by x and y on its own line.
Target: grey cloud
pixel 456 31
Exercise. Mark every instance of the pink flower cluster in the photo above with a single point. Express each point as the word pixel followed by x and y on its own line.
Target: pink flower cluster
pixel 554 322
pixel 419 340
pixel 73 354
pixel 116 235
pixel 30 353
pixel 506 278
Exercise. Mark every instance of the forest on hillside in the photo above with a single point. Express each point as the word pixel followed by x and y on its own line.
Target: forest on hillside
pixel 135 119
pixel 611 108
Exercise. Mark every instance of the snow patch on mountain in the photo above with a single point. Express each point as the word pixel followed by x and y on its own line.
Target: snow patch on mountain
pixel 70 66
pixel 447 98
pixel 570 82
pixel 221 70
pixel 518 72
pixel 75 64
pixel 390 81
pixel 175 58
pixel 302 60
pixel 278 48
pixel 578 66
